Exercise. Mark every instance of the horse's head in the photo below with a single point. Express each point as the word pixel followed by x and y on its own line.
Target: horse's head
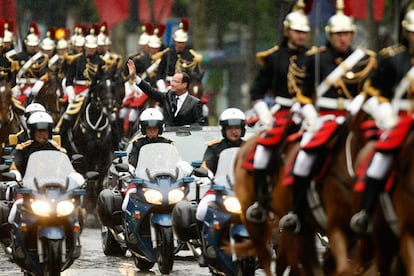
pixel 49 97
pixel 196 85
pixel 5 103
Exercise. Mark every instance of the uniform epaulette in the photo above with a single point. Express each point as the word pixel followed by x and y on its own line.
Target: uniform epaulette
pixel 70 58
pixel 314 49
pixel 24 144
pixel 196 57
pixel 261 56
pixel 14 64
pixel 57 146
pixel 213 142
pixel 159 54
pixel 392 50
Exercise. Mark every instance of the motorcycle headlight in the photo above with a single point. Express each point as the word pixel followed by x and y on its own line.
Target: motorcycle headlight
pixel 41 208
pixel 232 204
pixel 175 195
pixel 153 196
pixel 64 208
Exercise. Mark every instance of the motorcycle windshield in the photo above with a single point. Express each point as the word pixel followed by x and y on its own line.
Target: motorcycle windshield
pixel 158 159
pixel 225 167
pixel 48 167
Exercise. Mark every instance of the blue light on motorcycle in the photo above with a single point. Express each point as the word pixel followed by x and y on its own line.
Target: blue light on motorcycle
pixel 175 195
pixel 137 181
pixel 41 208
pixel 64 208
pixel 188 179
pixel 232 204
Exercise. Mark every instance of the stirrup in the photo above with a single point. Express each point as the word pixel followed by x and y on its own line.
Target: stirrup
pixel 360 222
pixel 290 222
pixel 256 213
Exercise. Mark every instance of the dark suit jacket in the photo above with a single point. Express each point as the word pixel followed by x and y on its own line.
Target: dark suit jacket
pixel 190 112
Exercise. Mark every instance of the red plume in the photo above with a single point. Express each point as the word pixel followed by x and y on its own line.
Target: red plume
pixel 34 28
pixel 148 28
pixel 161 29
pixel 2 27
pixel 84 27
pixel 51 33
pixel 185 24
pixel 104 28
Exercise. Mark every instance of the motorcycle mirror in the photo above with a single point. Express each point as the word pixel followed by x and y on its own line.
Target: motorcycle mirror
pixel 4 168
pixel 122 167
pixel 201 172
pixel 196 164
pixel 9 176
pixel 92 175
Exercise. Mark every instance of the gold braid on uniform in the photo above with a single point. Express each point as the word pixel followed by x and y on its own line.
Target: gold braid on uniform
pixel 90 70
pixel 295 76
pixel 261 56
pixel 183 65
pixel 70 58
pixel 36 67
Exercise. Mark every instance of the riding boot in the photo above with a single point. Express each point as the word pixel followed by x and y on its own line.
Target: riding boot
pixel 360 221
pixel 256 213
pixel 202 262
pixel 292 221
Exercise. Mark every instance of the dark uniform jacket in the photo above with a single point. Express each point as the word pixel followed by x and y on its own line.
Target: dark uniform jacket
pixel 85 68
pixel 188 61
pixel 8 69
pixel 37 70
pixel 24 150
pixel 393 64
pixel 272 75
pixel 139 143
pixel 189 113
pixel 212 153
pixel 346 87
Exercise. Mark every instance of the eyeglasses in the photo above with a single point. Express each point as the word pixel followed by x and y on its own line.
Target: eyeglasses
pixel 176 81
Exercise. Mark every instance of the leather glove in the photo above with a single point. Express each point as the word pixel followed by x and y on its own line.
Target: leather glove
pixel 310 115
pixel 265 117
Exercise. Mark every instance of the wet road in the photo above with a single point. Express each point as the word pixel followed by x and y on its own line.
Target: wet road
pixel 93 262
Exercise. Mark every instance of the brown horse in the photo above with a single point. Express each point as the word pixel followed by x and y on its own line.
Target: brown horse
pixel 196 87
pixel 333 188
pixel 49 97
pixel 9 119
pixel 393 231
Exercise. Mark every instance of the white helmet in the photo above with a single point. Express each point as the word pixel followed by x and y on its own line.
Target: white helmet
pixel 297 20
pixel 408 21
pixel 47 44
pixel 90 40
pixel 62 44
pixel 232 117
pixel 339 22
pixel 151 117
pixel 145 35
pixel 32 108
pixel 79 41
pixel 181 35
pixel 39 120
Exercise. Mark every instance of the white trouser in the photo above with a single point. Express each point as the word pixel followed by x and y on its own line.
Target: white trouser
pixel 202 206
pixel 261 157
pixel 380 165
pixel 303 163
pixel 13 210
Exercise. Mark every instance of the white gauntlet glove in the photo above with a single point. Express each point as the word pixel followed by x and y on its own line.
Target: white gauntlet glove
pixel 16 90
pixel 356 104
pixel 385 117
pixel 262 110
pixel 310 115
pixel 137 80
pixel 70 91
pixel 161 85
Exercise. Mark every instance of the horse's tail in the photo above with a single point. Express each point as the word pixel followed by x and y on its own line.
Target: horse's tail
pixel 241 249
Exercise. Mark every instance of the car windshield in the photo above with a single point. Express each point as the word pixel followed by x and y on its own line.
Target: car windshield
pixel 224 174
pixel 48 167
pixel 158 159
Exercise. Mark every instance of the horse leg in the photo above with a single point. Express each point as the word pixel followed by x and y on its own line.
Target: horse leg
pixel 338 245
pixel 407 252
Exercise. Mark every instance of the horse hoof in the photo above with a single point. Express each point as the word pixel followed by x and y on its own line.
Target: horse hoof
pixel 256 214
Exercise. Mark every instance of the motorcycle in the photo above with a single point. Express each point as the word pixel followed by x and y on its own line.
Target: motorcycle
pixel 160 180
pixel 45 224
pixel 222 225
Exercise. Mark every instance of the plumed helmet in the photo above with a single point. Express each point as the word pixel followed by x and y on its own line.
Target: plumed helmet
pixel 39 120
pixel 339 22
pixel 181 35
pixel 232 117
pixel 151 117
pixel 32 108
pixel 147 30
pixel 8 32
pixel 48 42
pixel 297 19
pixel 62 44
pixel 103 34
pixel 155 39
pixel 33 38
pixel 79 41
pixel 408 21
pixel 90 40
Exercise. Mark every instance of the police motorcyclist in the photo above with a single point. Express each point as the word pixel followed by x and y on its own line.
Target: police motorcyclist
pixel 232 122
